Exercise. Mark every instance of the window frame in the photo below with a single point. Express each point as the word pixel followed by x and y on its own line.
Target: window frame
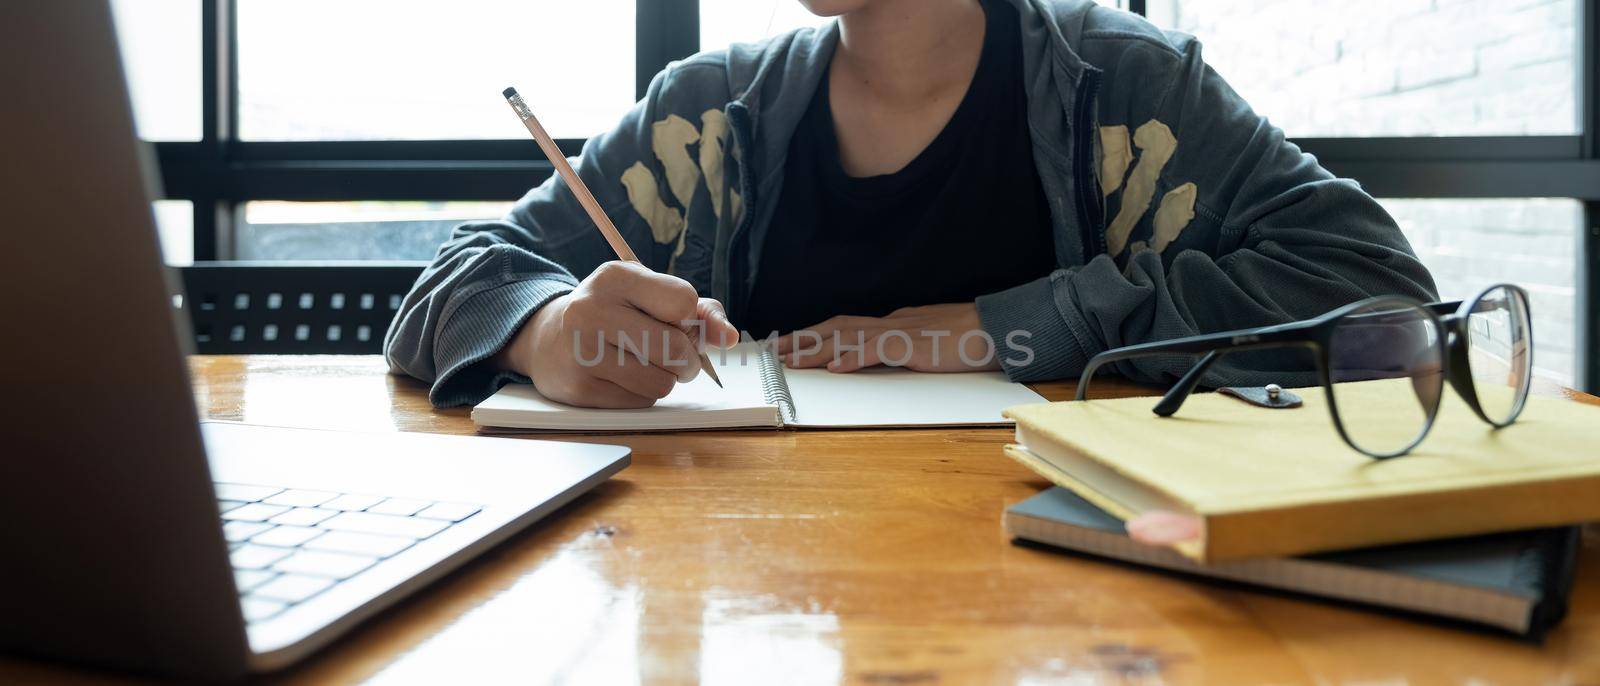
pixel 220 173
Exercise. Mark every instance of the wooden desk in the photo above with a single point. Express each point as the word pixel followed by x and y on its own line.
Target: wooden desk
pixel 814 557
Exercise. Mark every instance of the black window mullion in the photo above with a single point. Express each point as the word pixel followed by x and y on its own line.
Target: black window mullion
pixel 206 170
pixel 1588 363
pixel 1589 78
pixel 228 63
pixel 1589 269
pixel 664 30
pixel 226 209
pixel 466 151
pixel 1444 148
pixel 1462 167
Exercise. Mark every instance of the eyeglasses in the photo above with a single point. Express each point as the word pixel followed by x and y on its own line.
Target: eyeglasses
pixel 1385 344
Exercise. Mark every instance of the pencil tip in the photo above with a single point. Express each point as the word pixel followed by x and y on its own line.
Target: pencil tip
pixel 509 93
pixel 711 371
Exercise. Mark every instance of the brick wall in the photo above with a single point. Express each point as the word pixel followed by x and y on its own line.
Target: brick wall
pixel 1469 244
pixel 1424 68
pixel 1393 67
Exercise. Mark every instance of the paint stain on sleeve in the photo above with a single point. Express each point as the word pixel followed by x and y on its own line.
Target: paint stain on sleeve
pixel 645 196
pixel 670 139
pixel 1156 146
pixel 1115 156
pixel 713 136
pixel 1173 215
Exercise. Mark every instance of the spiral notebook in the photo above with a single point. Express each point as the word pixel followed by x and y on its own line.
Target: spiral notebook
pixel 759 392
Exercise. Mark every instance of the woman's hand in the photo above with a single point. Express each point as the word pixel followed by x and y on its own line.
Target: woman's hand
pixel 934 338
pixel 624 338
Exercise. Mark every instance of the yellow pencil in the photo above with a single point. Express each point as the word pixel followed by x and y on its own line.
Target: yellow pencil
pixel 585 198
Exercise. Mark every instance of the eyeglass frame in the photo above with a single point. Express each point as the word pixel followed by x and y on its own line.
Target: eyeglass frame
pixel 1449 318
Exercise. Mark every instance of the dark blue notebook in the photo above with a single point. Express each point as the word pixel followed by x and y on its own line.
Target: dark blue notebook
pixel 1516 582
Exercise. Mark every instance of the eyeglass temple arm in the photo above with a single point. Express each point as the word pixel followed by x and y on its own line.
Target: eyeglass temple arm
pixel 1214 346
pixel 1180 391
pixel 1268 336
pixel 1191 345
pixel 1444 309
pixel 1185 386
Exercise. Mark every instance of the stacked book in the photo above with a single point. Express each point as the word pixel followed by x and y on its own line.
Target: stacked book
pixel 1476 524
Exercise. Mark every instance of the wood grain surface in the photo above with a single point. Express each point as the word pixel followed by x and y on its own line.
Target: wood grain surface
pixel 869 557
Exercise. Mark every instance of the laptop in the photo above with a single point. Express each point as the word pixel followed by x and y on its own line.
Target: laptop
pixel 136 536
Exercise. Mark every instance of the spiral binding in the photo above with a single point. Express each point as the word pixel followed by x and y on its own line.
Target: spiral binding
pixel 774 386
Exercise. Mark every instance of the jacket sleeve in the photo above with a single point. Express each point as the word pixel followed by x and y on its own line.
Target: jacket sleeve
pixel 490 277
pixel 1271 237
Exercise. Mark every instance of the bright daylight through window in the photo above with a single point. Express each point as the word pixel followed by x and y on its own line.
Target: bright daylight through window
pixel 421 69
pixel 372 70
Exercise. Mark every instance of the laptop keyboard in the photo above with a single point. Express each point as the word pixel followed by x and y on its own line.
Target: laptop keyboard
pixel 287 545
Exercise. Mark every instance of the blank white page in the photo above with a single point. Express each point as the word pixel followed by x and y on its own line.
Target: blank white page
pixel 699 404
pixel 822 399
pixel 899 397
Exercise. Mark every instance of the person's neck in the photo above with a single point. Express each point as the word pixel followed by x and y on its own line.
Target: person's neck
pixel 908 49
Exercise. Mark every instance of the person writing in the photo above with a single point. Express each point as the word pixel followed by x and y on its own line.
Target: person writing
pixel 1024 182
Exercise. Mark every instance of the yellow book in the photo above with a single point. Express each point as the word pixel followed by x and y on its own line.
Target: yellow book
pixel 1278 482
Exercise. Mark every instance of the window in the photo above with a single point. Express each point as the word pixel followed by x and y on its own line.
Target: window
pixel 1470 244
pixel 1410 70
pixel 175 227
pixel 311 134
pixel 160 41
pixel 725 22
pixel 274 230
pixel 419 69
pixel 1382 68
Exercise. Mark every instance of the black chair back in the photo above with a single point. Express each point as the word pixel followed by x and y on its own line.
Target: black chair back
pixel 294 308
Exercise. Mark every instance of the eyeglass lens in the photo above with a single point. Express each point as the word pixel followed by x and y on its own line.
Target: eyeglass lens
pixel 1386 366
pixel 1500 352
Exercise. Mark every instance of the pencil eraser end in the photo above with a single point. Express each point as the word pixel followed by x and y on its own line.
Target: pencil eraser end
pixel 509 93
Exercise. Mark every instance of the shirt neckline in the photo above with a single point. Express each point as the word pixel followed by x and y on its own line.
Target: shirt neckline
pixel 943 146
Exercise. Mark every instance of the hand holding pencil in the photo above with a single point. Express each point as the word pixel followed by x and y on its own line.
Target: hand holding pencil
pixel 573 347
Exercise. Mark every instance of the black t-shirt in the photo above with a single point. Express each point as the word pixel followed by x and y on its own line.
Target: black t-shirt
pixel 965 218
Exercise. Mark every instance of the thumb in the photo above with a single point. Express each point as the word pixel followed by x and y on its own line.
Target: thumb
pixel 719 331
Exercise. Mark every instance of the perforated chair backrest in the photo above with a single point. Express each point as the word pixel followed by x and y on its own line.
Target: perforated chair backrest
pixel 298 309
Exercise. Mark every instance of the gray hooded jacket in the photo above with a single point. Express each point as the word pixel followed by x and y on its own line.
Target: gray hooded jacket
pixel 1175 208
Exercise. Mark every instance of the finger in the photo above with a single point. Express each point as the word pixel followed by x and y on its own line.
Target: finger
pixel 888 349
pixel 808 358
pixel 606 329
pixel 802 338
pixel 718 330
pixel 789 341
pixel 805 346
pixel 1164 528
pixel 784 344
pixel 868 357
pixel 838 345
pixel 797 340
pixel 664 297
pixel 640 337
pixel 846 323
pixel 636 377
